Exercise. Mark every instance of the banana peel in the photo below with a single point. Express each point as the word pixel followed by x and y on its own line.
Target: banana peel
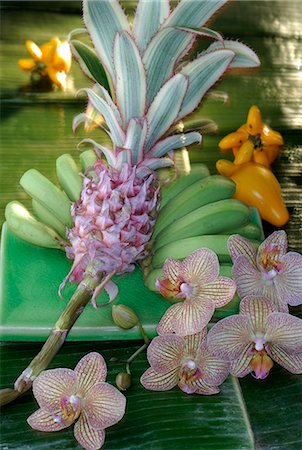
pixel 257 186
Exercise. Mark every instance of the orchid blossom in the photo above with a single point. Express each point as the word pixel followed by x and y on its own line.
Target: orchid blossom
pixel 196 283
pixel 52 60
pixel 256 337
pixel 270 272
pixel 186 362
pixel 81 395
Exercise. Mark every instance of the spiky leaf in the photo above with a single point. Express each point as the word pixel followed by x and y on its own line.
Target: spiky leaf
pixel 244 55
pixel 173 143
pixel 130 78
pixel 161 56
pixel 165 108
pixel 105 110
pixel 136 137
pixel 148 18
pixel 90 63
pixel 192 13
pixel 202 74
pixel 103 19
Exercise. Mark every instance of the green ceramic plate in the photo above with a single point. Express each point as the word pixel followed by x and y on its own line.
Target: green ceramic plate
pixel 30 304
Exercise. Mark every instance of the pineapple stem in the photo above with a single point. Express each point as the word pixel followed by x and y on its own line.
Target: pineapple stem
pixel 58 334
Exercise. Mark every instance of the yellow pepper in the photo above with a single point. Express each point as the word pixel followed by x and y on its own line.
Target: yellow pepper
pixel 257 186
pixel 253 141
pixel 51 60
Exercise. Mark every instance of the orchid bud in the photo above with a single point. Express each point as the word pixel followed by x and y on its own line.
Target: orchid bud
pixel 124 317
pixel 123 381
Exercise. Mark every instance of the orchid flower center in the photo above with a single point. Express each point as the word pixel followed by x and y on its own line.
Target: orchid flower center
pixel 261 364
pixel 70 409
pixel 189 372
pixel 186 289
pixel 270 263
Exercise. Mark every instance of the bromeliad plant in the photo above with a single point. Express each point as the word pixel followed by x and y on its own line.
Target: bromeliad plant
pixel 143 87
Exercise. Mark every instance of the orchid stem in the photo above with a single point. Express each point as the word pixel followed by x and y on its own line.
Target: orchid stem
pixel 58 334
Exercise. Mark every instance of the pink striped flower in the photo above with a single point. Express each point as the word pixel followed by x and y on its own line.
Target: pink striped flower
pixel 270 272
pixel 259 335
pixel 186 362
pixel 197 287
pixel 81 395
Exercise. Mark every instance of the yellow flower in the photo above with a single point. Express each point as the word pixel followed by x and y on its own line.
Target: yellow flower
pixel 253 141
pixel 52 60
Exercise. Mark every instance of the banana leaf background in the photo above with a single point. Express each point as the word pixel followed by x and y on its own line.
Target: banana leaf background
pixel 36 128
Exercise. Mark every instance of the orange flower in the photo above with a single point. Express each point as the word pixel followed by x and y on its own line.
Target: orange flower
pixel 52 60
pixel 253 141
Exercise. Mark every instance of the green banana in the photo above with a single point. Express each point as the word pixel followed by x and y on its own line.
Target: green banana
pixel 48 218
pixel 225 270
pixel 180 249
pixel 48 194
pixel 249 230
pixel 87 159
pixel 198 171
pixel 213 218
pixel 208 190
pixel 68 176
pixel 26 227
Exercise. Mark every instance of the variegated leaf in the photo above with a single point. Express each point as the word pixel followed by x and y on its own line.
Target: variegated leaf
pixel 108 153
pixel 202 74
pixel 148 18
pixel 244 56
pixel 103 19
pixel 103 93
pixel 173 143
pixel 165 108
pixel 89 63
pixel 136 137
pixel 130 78
pixel 192 13
pixel 203 32
pixel 77 120
pixel 160 57
pixel 105 110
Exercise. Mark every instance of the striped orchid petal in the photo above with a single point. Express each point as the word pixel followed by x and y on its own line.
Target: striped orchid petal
pixel 88 437
pixel 204 389
pixel 192 13
pixel 244 56
pixel 188 317
pixel 171 270
pixel 109 154
pixel 165 108
pixel 201 266
pixel 105 110
pixel 91 369
pixel 238 245
pixel 220 291
pixel 160 58
pixel 274 247
pixel 103 21
pixel 288 284
pixel 104 406
pixel 165 352
pixel 43 420
pixel 195 343
pixel 285 331
pixel 202 74
pixel 148 18
pixel 173 143
pixel 229 338
pixel 214 370
pixel 155 381
pixel 130 78
pixel 136 137
pixel 241 366
pixel 51 385
pixel 292 363
pixel 258 310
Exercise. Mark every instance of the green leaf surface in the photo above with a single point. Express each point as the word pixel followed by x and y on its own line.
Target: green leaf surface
pixel 90 63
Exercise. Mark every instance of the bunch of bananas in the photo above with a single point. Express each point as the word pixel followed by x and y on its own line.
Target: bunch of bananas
pixel 197 210
pixel 51 217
